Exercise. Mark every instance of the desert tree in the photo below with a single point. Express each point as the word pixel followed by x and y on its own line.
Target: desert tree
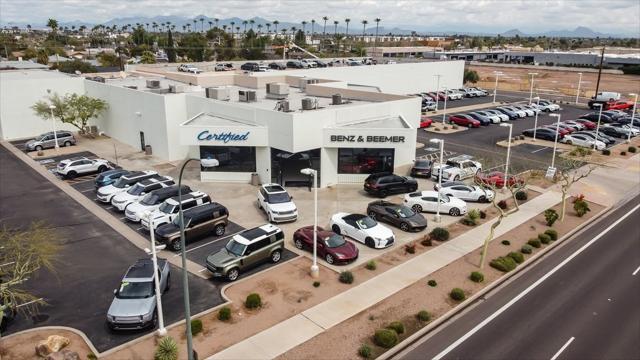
pixel 72 109
pixel 568 173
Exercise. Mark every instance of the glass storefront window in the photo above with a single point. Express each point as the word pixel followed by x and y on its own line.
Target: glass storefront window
pixel 231 158
pixel 365 161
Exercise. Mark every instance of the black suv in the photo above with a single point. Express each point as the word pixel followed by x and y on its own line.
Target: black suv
pixel 250 66
pixel 422 167
pixel 295 65
pixel 397 215
pixel 383 184
pixel 199 221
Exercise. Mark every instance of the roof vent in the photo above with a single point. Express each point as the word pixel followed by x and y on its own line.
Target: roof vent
pixel 247 96
pixel 218 93
pixel 309 103
pixel 336 99
pixel 282 105
pixel 153 84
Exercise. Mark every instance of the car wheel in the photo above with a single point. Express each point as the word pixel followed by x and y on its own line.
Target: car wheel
pixel 102 168
pixel 456 178
pixel 298 243
pixel 232 275
pixel 568 142
pixel 470 126
pixel 276 256
pixel 67 143
pixel 369 242
pixel 482 198
pixel 454 212
pixel 404 226
pixel 219 230
pixel 154 319
pixel 417 208
pixel 72 174
pixel 329 258
pixel 168 287
pixel 336 229
pixel 383 193
pixel 175 245
pixel 372 215
pixel 38 148
pixel 413 188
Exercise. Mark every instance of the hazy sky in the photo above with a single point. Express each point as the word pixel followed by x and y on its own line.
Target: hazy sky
pixel 607 16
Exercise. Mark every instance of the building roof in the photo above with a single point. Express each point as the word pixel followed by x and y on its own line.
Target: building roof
pixel 391 122
pixel 21 65
pixel 31 74
pixel 207 119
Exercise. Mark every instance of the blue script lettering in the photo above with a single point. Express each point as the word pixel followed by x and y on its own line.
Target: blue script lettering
pixel 224 137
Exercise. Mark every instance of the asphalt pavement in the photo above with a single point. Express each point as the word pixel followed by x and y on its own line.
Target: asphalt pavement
pixel 578 302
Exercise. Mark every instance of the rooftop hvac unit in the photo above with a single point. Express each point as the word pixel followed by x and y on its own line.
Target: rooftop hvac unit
pixel 309 104
pixel 277 90
pixel 153 84
pixel 175 89
pixel 303 82
pixel 283 105
pixel 92 129
pixel 218 93
pixel 247 96
pixel 336 99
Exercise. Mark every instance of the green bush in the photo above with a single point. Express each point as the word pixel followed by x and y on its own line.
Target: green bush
pixel 516 256
pixel 371 265
pixel 632 149
pixel 581 207
pixel 364 351
pixel 346 277
pixel 606 152
pixel 91 356
pixel 580 151
pixel 439 234
pixel 505 242
pixel 502 204
pixel 526 249
pixel 474 216
pixel 457 294
pixel 423 315
pixel 550 215
pixel 167 349
pixel 196 327
pixel 467 221
pixel 544 238
pixel 535 243
pixel 476 276
pixel 503 263
pixel 553 235
pixel 385 338
pixel 432 283
pixel 316 284
pixel 253 301
pixel 623 153
pixel 224 314
pixel 396 326
pixel 521 195
pixel 410 248
pixel 426 241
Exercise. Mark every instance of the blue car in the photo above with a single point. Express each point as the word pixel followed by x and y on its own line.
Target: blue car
pixel 109 177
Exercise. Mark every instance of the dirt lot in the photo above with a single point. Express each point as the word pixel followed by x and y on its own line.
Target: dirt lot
pixel 403 306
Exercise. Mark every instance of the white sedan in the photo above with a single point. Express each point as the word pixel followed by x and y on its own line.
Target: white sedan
pixel 582 140
pixel 468 192
pixel 363 229
pixel 428 201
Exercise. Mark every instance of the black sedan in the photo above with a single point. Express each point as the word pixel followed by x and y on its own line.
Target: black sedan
pixel 542 134
pixel 594 117
pixel 422 168
pixel 399 216
pixel 277 66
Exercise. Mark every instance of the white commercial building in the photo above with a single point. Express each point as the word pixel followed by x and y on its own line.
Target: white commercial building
pixel 345 122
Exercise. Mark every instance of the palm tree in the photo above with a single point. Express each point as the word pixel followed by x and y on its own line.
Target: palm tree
pixel 304 26
pixel 364 27
pixel 202 24
pixel 224 28
pixel 325 18
pixel 53 24
pixel 259 26
pixel 268 27
pixel 335 27
pixel 251 22
pixel 216 20
pixel 147 24
pixel 245 22
pixel 189 27
pixel 184 28
pixel 168 25
pixel 232 23
pixel 377 20
pixel 276 22
pixel 313 28
pixel 210 24
pixel 29 27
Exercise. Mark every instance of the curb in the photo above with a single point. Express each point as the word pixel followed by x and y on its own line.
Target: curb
pixel 467 304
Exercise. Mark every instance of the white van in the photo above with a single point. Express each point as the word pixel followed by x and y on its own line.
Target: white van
pixel 607 96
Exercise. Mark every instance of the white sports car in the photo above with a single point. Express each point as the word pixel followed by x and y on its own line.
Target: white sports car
pixel 428 201
pixel 467 192
pixel 362 228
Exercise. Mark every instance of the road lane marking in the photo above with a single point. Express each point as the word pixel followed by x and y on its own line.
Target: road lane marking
pixel 562 348
pixel 506 306
pixel 635 272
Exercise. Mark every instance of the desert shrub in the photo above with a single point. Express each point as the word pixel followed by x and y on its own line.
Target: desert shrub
pixel 632 149
pixel 517 257
pixel 316 284
pixel 505 242
pixel 526 249
pixel 396 326
pixel 503 263
pixel 502 204
pixel 91 356
pixel 544 238
pixel 623 153
pixel 224 314
pixel 550 215
pixel 423 315
pixel 371 265
pixel 581 207
pixel 457 294
pixel 534 242
pixel 196 327
pixel 385 338
pixel 471 219
pixel 467 221
pixel 483 215
pixel 553 235
pixel 426 241
pixel 432 283
pixel 476 276
pixel 521 195
pixel 439 234
pixel 364 351
pixel 253 301
pixel 410 248
pixel 454 127
pixel 437 129
pixel 167 349
pixel 445 127
pixel 580 151
pixel 346 277
pixel 606 152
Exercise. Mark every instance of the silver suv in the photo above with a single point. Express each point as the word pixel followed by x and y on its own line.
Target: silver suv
pixel 48 141
pixel 134 304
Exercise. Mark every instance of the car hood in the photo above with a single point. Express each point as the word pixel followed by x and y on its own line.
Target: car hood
pixel 166 230
pixel 221 258
pixel 30 142
pixel 288 206
pixel 124 196
pixel 456 202
pixel 417 220
pixel 348 249
pixel 379 232
pixel 109 189
pixel 131 307
pixel 139 207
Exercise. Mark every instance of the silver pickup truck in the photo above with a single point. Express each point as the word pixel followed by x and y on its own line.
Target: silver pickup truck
pixel 134 304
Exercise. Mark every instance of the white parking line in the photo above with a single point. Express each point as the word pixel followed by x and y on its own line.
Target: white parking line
pixel 122 218
pixel 140 228
pixel 109 207
pixel 535 151
pixel 635 272
pixel 84 191
pixel 562 348
pixel 211 242
pixel 201 270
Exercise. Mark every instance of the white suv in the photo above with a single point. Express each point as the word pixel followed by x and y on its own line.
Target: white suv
pixel 456 168
pixel 151 202
pixel 169 209
pixel 80 165
pixel 106 193
pixel 189 68
pixel 121 200
pixel 277 203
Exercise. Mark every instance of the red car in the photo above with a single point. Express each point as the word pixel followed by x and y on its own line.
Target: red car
pixel 331 246
pixel 425 122
pixel 496 178
pixel 464 120
pixel 562 131
pixel 439 95
pixel 619 105
pixel 590 125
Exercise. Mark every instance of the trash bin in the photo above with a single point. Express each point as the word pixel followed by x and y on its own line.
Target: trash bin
pixel 255 179
pixel 148 150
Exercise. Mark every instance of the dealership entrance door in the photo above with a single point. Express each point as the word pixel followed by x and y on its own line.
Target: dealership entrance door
pixel 286 166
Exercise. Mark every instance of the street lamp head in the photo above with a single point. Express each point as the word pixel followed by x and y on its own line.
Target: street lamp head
pixel 536 98
pixel 533 74
pixel 506 125
pixel 307 171
pixel 436 141
pixel 555 115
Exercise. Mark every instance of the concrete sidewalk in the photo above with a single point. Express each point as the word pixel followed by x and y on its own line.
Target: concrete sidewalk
pixel 298 329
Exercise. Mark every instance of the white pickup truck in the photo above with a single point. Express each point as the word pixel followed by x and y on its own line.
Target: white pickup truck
pixel 456 168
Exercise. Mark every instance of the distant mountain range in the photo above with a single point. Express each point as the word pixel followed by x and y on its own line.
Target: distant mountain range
pixel 355 27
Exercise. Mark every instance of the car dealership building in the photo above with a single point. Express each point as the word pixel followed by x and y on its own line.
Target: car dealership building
pixel 345 122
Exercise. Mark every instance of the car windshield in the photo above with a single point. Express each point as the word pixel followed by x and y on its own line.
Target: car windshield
pixel 366 223
pixel 136 189
pixel 279 198
pixel 334 241
pixel 120 183
pixel 423 164
pixel 235 248
pixel 404 212
pixel 149 199
pixel 176 221
pixel 135 290
pixel 41 137
pixel 168 208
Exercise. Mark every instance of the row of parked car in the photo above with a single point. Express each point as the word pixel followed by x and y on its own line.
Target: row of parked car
pixel 429 98
pixel 503 113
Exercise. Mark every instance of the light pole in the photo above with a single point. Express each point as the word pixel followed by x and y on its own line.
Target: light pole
pixel 53 122
pixel 495 88
pixel 531 90
pixel 162 331
pixel 555 142
pixel 506 166
pixel 441 142
pixel 633 115
pixel 444 114
pixel 315 270
pixel 579 83
pixel 598 124
pixel 535 122
pixel 437 90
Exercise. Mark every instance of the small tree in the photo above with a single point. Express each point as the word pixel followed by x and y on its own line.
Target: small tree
pixel 471 76
pixel 148 57
pixel 72 109
pixel 571 172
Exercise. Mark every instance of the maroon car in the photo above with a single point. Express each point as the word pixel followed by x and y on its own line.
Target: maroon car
pixel 464 120
pixel 331 246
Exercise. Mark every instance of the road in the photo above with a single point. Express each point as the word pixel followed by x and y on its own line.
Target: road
pixel 584 309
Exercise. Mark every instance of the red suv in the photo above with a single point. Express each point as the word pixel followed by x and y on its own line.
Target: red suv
pixel 464 120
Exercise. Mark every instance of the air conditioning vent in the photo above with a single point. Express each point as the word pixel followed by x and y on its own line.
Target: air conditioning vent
pixel 247 96
pixel 218 93
pixel 153 84
pixel 336 99
pixel 309 104
pixel 303 82
pixel 277 91
pixel 175 89
pixel 283 106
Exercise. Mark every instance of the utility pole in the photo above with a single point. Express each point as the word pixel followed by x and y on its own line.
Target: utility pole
pixel 599 71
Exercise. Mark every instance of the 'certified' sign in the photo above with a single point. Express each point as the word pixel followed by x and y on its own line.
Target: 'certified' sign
pixel 225 137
